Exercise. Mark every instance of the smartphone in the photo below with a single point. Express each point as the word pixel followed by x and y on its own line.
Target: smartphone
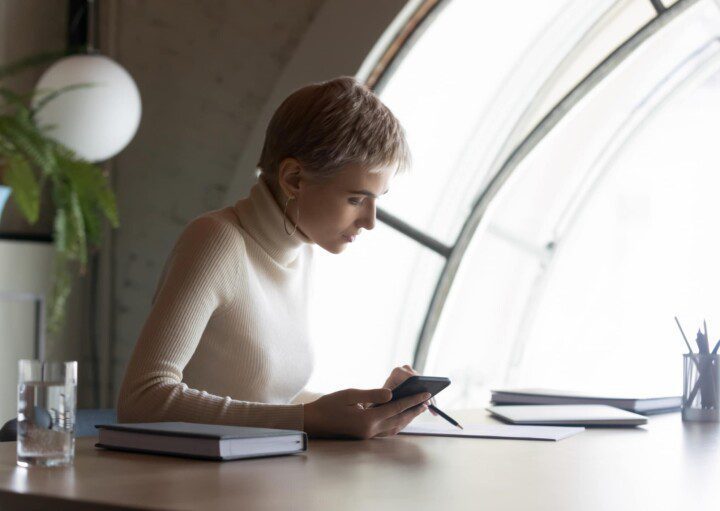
pixel 418 385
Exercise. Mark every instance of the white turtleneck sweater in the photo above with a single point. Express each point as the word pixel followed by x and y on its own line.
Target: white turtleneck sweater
pixel 226 339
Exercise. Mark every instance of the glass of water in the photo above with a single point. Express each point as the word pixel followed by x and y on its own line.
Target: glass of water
pixel 46 413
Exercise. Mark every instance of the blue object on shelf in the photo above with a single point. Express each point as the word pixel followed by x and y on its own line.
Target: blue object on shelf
pixel 4 194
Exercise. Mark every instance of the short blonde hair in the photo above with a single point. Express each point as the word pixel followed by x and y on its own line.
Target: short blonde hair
pixel 328 125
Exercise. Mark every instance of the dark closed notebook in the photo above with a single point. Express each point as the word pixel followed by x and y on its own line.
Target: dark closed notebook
pixel 205 441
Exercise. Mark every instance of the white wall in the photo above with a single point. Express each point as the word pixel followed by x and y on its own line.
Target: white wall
pixel 24 267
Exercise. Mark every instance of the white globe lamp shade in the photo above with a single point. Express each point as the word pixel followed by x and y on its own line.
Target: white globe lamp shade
pixel 96 121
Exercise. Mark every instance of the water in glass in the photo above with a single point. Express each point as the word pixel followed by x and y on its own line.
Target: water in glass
pixel 46 423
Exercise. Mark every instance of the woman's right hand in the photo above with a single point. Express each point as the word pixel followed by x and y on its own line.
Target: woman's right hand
pixel 341 414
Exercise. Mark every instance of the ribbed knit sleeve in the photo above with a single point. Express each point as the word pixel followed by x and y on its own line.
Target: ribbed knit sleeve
pixel 200 280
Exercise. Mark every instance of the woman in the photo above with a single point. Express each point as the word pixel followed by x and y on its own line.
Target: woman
pixel 226 339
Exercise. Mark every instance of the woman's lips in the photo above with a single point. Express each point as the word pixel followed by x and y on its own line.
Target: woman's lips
pixel 349 239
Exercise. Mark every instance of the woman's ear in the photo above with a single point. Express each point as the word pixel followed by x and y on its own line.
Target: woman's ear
pixel 289 176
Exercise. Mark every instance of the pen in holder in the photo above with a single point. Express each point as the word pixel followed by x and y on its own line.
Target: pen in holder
pixel 701 374
pixel 701 391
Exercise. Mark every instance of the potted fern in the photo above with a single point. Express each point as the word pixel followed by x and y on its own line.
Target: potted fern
pixel 80 192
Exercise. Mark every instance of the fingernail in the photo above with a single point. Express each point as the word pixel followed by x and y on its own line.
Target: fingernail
pixel 427 395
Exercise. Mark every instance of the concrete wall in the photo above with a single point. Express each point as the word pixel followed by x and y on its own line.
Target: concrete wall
pixel 204 70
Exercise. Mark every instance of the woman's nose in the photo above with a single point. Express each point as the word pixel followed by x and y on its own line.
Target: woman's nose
pixel 367 221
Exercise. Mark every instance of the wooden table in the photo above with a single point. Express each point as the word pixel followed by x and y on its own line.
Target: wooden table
pixel 665 465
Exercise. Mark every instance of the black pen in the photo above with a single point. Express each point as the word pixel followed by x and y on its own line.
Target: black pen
pixel 444 416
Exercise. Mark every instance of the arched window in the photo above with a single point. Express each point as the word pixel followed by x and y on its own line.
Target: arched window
pixel 560 209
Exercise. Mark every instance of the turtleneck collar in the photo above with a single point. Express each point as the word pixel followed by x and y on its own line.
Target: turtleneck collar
pixel 261 216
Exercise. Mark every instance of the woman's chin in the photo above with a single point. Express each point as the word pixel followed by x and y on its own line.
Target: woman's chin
pixel 336 247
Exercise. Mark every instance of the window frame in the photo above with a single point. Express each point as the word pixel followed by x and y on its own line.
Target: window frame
pixel 424 14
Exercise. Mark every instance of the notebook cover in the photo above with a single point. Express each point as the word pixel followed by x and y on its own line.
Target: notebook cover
pixel 189 429
pixel 199 457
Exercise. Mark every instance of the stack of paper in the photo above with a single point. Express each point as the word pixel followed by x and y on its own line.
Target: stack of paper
pixel 494 431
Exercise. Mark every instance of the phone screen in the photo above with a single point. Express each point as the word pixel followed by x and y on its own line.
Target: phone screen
pixel 419 384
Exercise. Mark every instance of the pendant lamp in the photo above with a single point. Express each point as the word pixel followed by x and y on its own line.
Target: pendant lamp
pixel 98 118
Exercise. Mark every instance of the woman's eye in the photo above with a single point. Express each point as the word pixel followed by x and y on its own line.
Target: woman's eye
pixel 355 201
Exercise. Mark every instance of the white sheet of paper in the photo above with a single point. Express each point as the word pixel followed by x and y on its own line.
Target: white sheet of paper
pixel 552 433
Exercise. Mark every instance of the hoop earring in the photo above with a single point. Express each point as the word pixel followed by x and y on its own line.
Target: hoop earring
pixel 289 233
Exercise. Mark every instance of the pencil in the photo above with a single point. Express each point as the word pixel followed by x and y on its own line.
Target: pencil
pixel 445 416
pixel 706 341
pixel 683 334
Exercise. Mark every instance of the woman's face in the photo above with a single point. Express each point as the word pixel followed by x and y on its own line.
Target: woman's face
pixel 334 210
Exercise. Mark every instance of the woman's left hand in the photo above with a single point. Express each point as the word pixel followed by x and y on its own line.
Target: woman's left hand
pixel 399 375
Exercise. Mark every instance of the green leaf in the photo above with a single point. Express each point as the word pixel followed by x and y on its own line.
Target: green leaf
pixel 14 98
pixel 79 241
pixel 62 286
pixel 60 231
pixel 25 138
pixel 92 186
pixel 25 188
pixel 69 223
pixel 29 62
pixel 93 226
pixel 16 101
pixel 51 95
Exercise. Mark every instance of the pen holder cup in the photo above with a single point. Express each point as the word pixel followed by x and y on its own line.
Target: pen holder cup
pixel 701 388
